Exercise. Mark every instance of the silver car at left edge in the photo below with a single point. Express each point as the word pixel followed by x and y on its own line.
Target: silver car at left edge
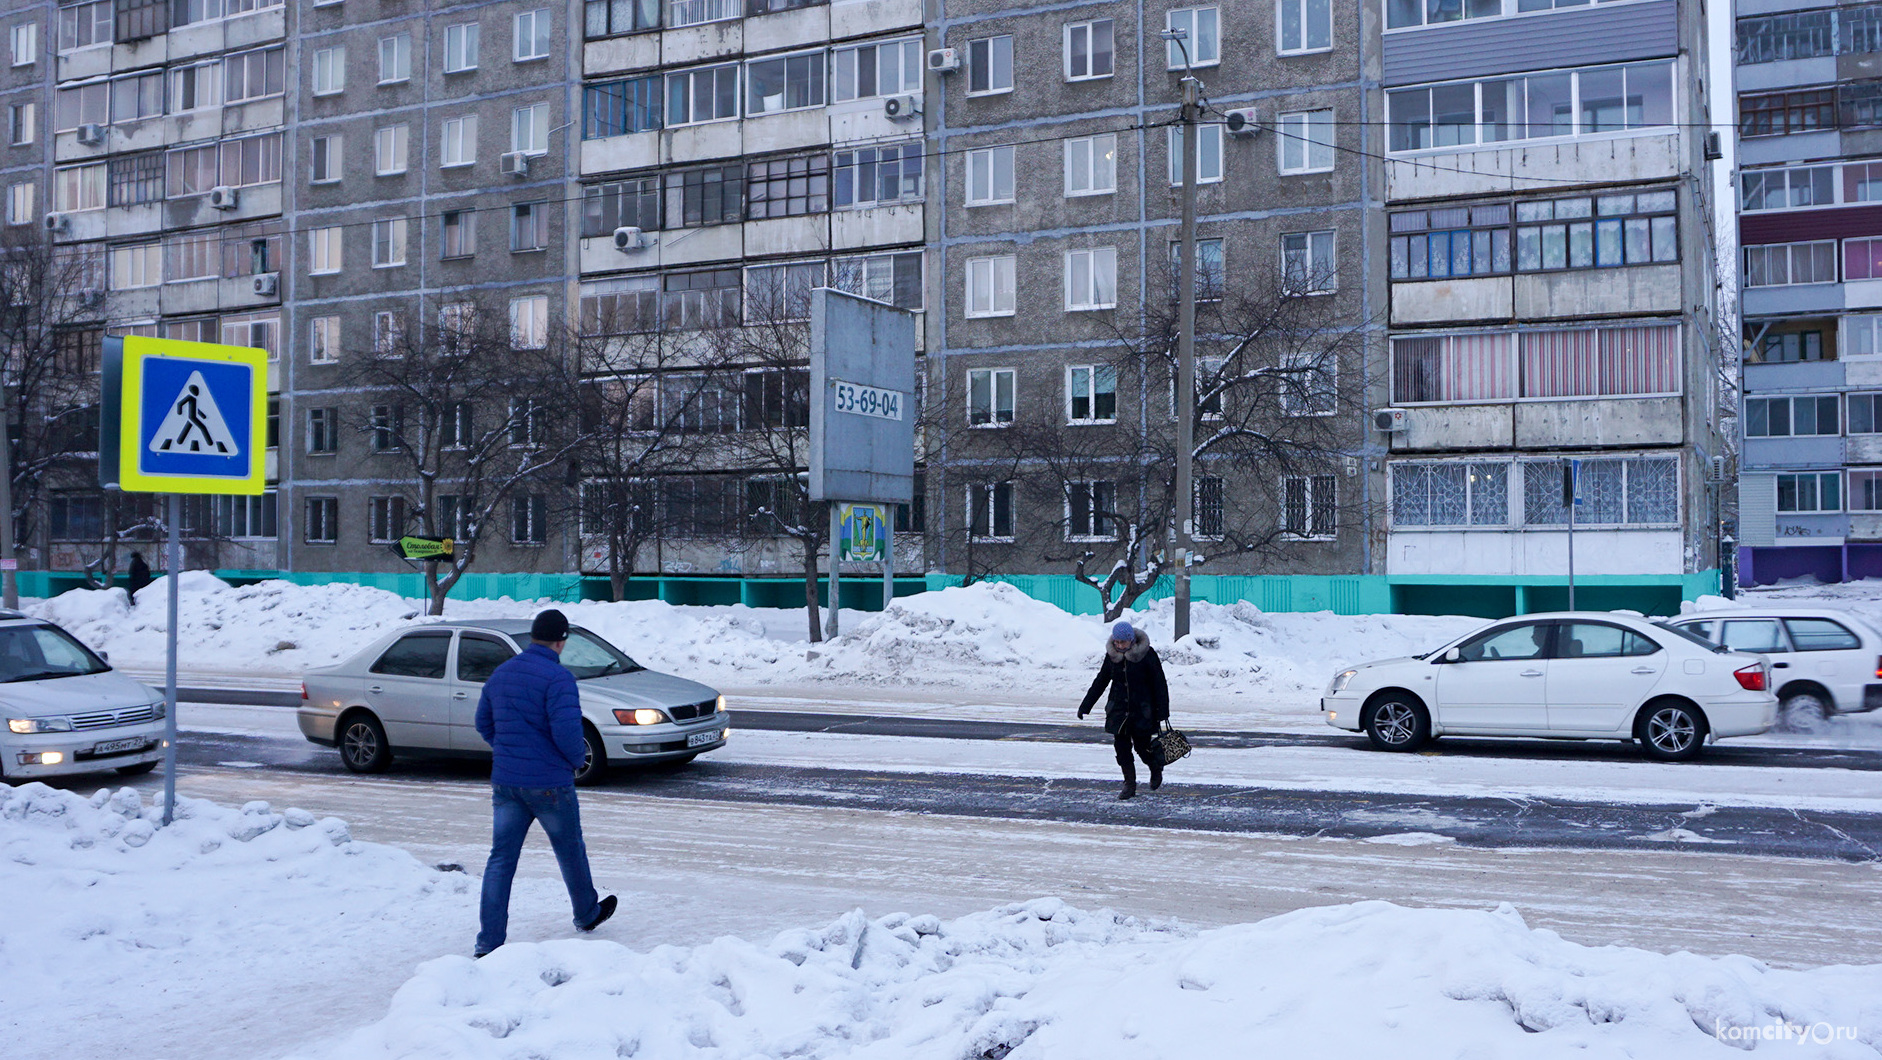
pixel 67 711
pixel 415 691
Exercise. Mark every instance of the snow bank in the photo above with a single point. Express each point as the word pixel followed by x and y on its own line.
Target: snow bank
pixel 178 941
pixel 1044 980
pixel 989 636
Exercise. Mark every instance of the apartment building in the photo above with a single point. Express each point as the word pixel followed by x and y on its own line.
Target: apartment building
pixel 1551 278
pixel 1810 224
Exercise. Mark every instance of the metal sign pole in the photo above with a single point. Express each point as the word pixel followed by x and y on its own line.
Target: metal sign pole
pixel 888 560
pixel 836 562
pixel 1571 490
pixel 174 551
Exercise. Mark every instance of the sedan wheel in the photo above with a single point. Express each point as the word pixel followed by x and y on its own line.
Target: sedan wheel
pixel 1803 712
pixel 363 746
pixel 1397 724
pixel 1672 732
pixel 595 762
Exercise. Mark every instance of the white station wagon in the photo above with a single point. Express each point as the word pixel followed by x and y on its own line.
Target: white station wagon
pixel 66 711
pixel 1824 662
pixel 1575 675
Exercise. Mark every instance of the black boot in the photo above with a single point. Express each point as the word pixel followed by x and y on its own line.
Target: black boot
pixel 1130 781
pixel 1156 776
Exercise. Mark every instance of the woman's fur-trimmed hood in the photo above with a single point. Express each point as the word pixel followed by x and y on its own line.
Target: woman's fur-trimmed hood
pixel 1140 647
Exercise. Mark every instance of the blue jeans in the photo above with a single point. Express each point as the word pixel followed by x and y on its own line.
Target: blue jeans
pixel 514 809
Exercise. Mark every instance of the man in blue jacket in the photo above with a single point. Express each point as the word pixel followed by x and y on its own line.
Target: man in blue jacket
pixel 531 717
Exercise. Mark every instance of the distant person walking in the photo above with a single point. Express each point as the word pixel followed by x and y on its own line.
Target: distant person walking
pixel 530 715
pixel 138 576
pixel 1140 700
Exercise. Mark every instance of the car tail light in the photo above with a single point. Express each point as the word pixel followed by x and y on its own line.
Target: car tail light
pixel 1751 678
pixel 1878 667
pixel 303 690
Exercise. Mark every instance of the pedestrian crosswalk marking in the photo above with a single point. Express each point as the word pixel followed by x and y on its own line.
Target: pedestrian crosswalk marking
pixel 194 424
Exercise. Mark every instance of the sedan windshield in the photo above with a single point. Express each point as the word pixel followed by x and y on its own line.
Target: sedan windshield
pixel 587 655
pixel 38 653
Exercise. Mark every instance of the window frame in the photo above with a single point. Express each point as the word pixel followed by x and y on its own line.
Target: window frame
pixel 993 50
pixel 464 50
pixel 390 236
pixel 391 144
pixel 465 128
pixel 1090 30
pixel 1092 148
pixel 1092 297
pixel 1303 138
pixel 1282 44
pixel 1092 374
pixel 1328 272
pixel 1211 139
pixel 992 156
pixel 1173 54
pixel 395 68
pixel 1312 508
pixel 995 379
pixel 993 265
pixel 541 31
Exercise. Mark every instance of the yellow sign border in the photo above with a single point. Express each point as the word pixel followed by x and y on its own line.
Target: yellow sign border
pixel 137 349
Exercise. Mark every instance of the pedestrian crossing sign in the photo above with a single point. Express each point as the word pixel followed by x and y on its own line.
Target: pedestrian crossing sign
pixel 191 416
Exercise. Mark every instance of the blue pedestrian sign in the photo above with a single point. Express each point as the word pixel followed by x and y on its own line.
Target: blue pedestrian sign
pixel 190 416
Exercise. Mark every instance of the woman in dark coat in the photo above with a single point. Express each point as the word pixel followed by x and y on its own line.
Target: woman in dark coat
pixel 1139 703
pixel 139 575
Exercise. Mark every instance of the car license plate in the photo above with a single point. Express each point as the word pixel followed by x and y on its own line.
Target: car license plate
pixel 701 739
pixel 113 746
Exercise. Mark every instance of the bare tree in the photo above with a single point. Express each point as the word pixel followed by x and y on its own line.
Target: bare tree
pixel 471 409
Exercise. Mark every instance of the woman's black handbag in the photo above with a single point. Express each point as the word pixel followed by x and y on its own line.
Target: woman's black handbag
pixel 1171 744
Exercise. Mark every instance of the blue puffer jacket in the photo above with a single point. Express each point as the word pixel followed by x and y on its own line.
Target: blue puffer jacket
pixel 531 716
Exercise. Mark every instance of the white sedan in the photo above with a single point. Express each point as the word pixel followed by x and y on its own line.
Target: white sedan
pixel 1575 675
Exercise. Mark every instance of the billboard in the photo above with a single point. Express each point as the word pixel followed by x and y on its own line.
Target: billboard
pixel 862 408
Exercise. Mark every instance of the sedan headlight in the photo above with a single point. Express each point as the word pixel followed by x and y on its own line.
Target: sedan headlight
pixel 31 725
pixel 643 716
pixel 1340 681
pixel 160 710
pixel 719 705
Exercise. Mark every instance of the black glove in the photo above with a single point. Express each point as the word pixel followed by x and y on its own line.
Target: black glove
pixel 1082 711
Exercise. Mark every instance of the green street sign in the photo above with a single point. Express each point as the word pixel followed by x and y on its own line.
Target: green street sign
pixel 423 547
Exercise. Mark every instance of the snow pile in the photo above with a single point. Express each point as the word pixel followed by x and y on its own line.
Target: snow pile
pixel 990 636
pixel 1043 980
pixel 194 939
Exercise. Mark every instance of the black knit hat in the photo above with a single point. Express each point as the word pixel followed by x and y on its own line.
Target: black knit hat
pixel 549 627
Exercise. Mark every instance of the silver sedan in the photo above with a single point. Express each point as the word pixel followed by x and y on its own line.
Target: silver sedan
pixel 416 692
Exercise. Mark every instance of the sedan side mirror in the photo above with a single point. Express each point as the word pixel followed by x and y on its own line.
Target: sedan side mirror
pixel 1453 655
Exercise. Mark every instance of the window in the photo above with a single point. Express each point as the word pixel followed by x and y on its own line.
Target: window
pixel 388 334
pixel 532 35
pixel 990 511
pixel 323 430
pixel 989 66
pixel 879 176
pixel 324 250
pixel 529 129
pixel 389 149
pixel 327 159
pixel 26 44
pixel 529 227
pixel 388 428
pixel 608 18
pixel 1788 417
pixel 1306 141
pixel 703 299
pixel 620 307
pixel 196 87
pixel 1452 241
pixel 526 422
pixel 1091 394
pixel 616 108
pixel 1307 384
pixel 1305 25
pixel 1202 40
pixel 457 328
pixel 459 146
pixel 990 287
pixel 1865 489
pixel 1308 262
pixel 79 188
pixel 1801 35
pixel 1091 165
pixel 1209 275
pixel 22 123
pixel 529 519
pixel 1810 492
pixel 1862 335
pixel 878 70
pixel 134 179
pixel 1090 510
pixel 395 59
pixel 1208 154
pixel 697 197
pixel 1582 362
pixel 787 187
pixel 1789 347
pixel 1088 50
pixel 529 322
pixel 1603 232
pixel 449 515
pixel 621 204
pixel 324 340
pixel 1789 189
pixel 83 25
pixel 707 94
pixel 788 82
pixel 388 243
pixel 138 97
pixel 20 204
pixel 1601 99
pixel 458 234
pixel 329 70
pixel 990 176
pixel 1307 506
pixel 321 526
pixel 254 75
pixel 989 397
pixel 1453 493
pixel 259 330
pixel 775 399
pixel 693 12
pixel 460 48
pixel 1780 264
pixel 1091 279
pixel 1612 492
pixel 387 523
pixel 136 266
pixel 894 278
pixel 1862 259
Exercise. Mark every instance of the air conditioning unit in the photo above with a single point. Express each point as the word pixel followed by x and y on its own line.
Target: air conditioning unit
pixel 1715 147
pixel 58 222
pixel 1390 421
pixel 266 283
pixel 1718 469
pixel 1243 122
pixel 91 297
pixel 515 163
pixel 91 133
pixel 223 197
pixel 902 108
pixel 944 60
pixel 629 239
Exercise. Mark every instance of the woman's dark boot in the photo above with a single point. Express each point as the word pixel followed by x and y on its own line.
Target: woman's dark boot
pixel 1156 776
pixel 1130 781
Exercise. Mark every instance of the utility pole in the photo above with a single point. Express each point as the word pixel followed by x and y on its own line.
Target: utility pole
pixel 1186 345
